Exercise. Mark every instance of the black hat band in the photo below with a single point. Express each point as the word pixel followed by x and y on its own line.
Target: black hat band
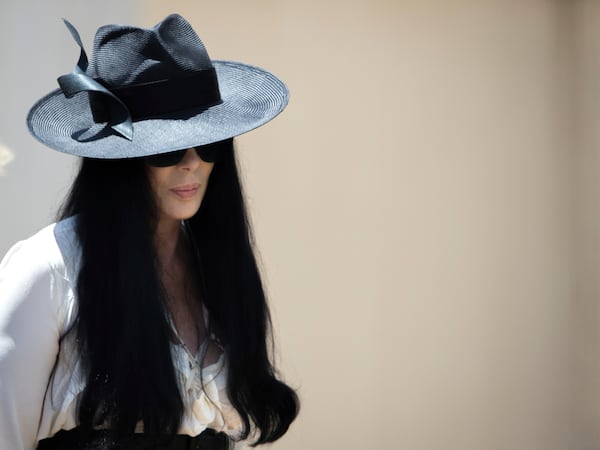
pixel 155 98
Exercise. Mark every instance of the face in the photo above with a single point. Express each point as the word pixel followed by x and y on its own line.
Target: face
pixel 179 189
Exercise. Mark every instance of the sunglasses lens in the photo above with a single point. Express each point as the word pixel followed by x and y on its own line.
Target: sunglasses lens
pixel 165 159
pixel 207 153
pixel 210 152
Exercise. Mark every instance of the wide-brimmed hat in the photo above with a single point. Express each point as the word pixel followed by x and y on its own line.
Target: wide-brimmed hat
pixel 150 91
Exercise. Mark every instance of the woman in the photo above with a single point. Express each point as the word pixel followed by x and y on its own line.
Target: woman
pixel 139 319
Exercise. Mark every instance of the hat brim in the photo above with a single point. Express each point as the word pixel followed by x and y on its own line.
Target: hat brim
pixel 251 97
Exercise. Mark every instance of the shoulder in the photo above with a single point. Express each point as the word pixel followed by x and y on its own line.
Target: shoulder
pixel 37 276
pixel 54 248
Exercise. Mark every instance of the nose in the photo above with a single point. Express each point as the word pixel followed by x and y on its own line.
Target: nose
pixel 190 161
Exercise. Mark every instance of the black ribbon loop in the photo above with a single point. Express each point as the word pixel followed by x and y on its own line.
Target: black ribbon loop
pixel 79 81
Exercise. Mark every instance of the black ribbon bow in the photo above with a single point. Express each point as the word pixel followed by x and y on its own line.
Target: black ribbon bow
pixel 78 80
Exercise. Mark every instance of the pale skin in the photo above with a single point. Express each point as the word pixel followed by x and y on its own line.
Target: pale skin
pixel 178 192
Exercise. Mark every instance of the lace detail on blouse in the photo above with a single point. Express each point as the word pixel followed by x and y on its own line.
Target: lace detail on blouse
pixel 203 389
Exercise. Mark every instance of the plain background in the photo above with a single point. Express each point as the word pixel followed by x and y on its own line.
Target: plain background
pixel 426 208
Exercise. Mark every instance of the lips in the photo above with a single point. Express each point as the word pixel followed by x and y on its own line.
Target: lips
pixel 186 190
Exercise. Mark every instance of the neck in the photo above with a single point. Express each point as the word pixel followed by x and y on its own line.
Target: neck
pixel 167 241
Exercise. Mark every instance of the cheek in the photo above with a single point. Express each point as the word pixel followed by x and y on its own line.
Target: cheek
pixel 157 176
pixel 157 179
pixel 205 173
pixel 208 168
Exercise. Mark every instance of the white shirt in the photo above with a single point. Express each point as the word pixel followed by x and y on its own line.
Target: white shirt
pixel 37 305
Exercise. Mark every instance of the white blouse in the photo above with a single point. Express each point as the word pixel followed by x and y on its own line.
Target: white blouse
pixel 37 305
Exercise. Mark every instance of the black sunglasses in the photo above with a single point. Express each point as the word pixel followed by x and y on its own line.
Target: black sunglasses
pixel 207 153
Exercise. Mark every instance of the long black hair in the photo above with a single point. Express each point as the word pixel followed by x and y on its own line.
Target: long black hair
pixel 122 330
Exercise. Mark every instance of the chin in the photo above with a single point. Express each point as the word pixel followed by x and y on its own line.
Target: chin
pixel 186 213
pixel 180 210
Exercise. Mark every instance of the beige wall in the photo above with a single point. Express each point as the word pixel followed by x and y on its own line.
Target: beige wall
pixel 412 207
pixel 586 157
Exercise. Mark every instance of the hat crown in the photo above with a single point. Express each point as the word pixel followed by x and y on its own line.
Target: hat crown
pixel 125 55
